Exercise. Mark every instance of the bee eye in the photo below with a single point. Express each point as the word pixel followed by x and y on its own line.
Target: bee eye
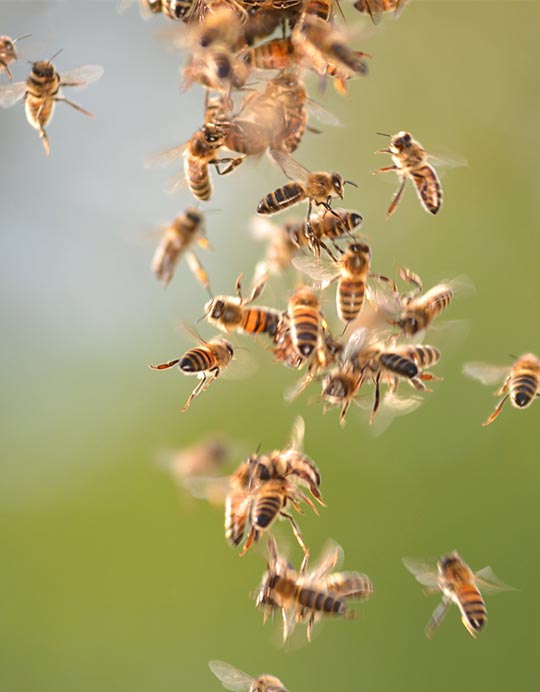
pixel 230 349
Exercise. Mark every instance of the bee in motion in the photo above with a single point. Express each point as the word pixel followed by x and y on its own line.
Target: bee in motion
pixel 308 596
pixel 230 313
pixel 305 322
pixel 177 10
pixel 459 585
pixel 235 680
pixel 8 53
pixel 206 361
pixel 41 92
pixel 184 231
pixel 521 381
pixel 411 161
pixel 376 8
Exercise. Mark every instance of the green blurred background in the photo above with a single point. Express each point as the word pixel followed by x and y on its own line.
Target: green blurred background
pixel 109 579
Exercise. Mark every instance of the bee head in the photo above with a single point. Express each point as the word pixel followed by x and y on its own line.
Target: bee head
pixel 43 68
pixel 401 141
pixel 229 347
pixel 194 215
pixel 360 249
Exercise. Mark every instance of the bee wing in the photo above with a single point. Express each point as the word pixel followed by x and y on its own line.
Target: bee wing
pixel 192 332
pixel 214 489
pixel 424 572
pixel 324 116
pixel 81 77
pixel 291 167
pixel 437 617
pixel 316 269
pixel 355 343
pixel 165 158
pixel 231 678
pixel 243 365
pixel 391 407
pixel 262 228
pixel 11 93
pixel 331 558
pixel 488 582
pixel 372 7
pixel 298 431
pixel 486 373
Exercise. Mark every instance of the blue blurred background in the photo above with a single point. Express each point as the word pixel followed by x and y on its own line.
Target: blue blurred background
pixel 110 580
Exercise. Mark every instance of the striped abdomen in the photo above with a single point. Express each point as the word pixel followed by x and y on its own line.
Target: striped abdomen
pixel 38 110
pixel 350 297
pixel 330 226
pixel 236 510
pixel 319 8
pixel 198 177
pixel 320 602
pixel 436 300
pixel 428 187
pixel 523 387
pixel 424 356
pixel 305 329
pixel 198 359
pixel 291 193
pixel 260 320
pixel 398 364
pixel 266 507
pixel 349 585
pixel 473 608
pixel 272 55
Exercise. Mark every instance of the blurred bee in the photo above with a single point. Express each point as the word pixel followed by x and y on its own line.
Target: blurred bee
pixel 411 161
pixel 280 249
pixel 216 68
pixel 521 381
pixel 237 505
pixel 375 8
pixel 275 54
pixel 459 585
pixel 41 92
pixel 237 681
pixel 284 349
pixel 230 313
pixel 218 111
pixel 340 387
pixel 317 188
pixel 177 10
pixel 308 596
pixel 184 231
pixel 206 361
pixel 8 53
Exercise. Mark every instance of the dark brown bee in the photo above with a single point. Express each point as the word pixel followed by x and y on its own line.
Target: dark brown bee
pixel 8 52
pixel 459 585
pixel 41 93
pixel 233 679
pixel 521 381
pixel 411 161
pixel 375 8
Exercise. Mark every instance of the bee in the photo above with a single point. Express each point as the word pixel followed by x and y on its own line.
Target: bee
pixel 41 92
pixel 206 361
pixel 340 387
pixel 325 227
pixel 521 381
pixel 398 360
pixel 184 231
pixel 284 349
pixel 237 504
pixel 459 585
pixel 306 597
pixel 237 681
pixel 306 322
pixel 411 161
pixel 177 10
pixel 275 54
pixel 375 8
pixel 317 188
pixel 280 249
pixel 216 68
pixel 8 52
pixel 230 313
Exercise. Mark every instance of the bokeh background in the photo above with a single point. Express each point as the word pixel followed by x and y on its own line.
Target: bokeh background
pixel 113 580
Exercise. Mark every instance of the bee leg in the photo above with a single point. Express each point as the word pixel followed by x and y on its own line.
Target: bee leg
pixel 75 105
pixel 45 140
pixel 233 163
pixel 395 199
pixel 309 231
pixel 310 627
pixel 504 387
pixel 251 538
pixel 6 68
pixel 437 617
pixel 343 413
pixel 197 270
pixel 164 366
pixel 377 397
pixel 205 382
pixel 429 377
pixel 328 207
pixel 296 531
pixel 496 412
pixel 304 564
pixel 417 383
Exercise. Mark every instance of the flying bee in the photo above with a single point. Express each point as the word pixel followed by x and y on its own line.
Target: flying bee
pixel 233 679
pixel 206 361
pixel 306 322
pixel 459 585
pixel 340 387
pixel 8 52
pixel 177 10
pixel 397 362
pixel 521 381
pixel 237 505
pixel 325 227
pixel 375 8
pixel 411 161
pixel 183 232
pixel 230 313
pixel 41 92
pixel 317 188
pixel 305 597
pixel 284 349
pixel 216 68
pixel 275 54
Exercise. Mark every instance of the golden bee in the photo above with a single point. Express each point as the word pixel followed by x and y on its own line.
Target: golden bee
pixel 8 52
pixel 231 313
pixel 411 161
pixel 308 596
pixel 183 232
pixel 206 361
pixel 275 54
pixel 41 92
pixel 459 585
pixel 237 505
pixel 233 679
pixel 306 322
pixel 521 381
pixel 376 8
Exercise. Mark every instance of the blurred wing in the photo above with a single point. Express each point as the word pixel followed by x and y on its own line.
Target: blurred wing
pixel 437 617
pixel 331 558
pixel 316 269
pixel 298 432
pixel 213 489
pixel 262 228
pixel 81 77
pixel 391 407
pixel 323 115
pixel 231 678
pixel 197 269
pixel 372 7
pixel 486 373
pixel 11 93
pixel 243 365
pixel 424 572
pixel 165 158
pixel 448 161
pixel 192 332
pixel 488 582
pixel 355 343
pixel 291 168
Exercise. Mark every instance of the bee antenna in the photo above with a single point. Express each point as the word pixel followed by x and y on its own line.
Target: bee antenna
pixel 350 182
pixel 200 319
pixel 258 448
pixel 383 134
pixel 513 356
pixel 56 54
pixel 20 38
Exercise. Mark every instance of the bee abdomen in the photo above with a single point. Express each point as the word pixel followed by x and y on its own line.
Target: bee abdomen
pixel 321 602
pixel 405 367
pixel 198 180
pixel 423 356
pixel 279 199
pixel 196 360
pixel 266 510
pixel 351 294
pixel 322 10
pixel 474 607
pixel 523 389
pixel 260 320
pixel 235 520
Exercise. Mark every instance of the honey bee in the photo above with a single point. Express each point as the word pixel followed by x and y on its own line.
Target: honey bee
pixel 306 597
pixel 306 322
pixel 237 505
pixel 206 361
pixel 177 10
pixel 8 52
pixel 340 387
pixel 422 355
pixel 233 679
pixel 275 54
pixel 41 92
pixel 317 188
pixel 411 161
pixel 216 68
pixel 184 231
pixel 230 313
pixel 280 248
pixel 521 381
pixel 375 8
pixel 284 349
pixel 459 585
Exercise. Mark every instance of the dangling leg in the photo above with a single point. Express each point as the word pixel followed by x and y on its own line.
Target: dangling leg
pixel 395 199
pixel 497 410
pixel 377 397
pixel 296 531
pixel 75 105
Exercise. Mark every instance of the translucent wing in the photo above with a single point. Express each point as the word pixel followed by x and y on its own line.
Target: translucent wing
pixel 325 273
pixel 331 558
pixel 231 678
pixel 355 343
pixel 291 168
pixel 488 582
pixel 324 116
pixel 298 431
pixel 11 93
pixel 486 373
pixel 424 572
pixel 391 407
pixel 165 158
pixel 262 228
pixel 212 489
pixel 372 7
pixel 437 617
pixel 81 77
